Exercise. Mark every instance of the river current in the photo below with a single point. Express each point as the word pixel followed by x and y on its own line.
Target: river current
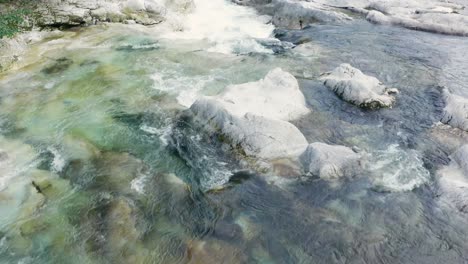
pixel 90 173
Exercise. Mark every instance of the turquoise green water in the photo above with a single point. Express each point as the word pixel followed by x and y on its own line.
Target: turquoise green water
pixel 85 123
pixel 90 174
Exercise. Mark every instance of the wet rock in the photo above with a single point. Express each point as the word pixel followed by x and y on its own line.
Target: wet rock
pixel 214 251
pixel 227 231
pixel 12 50
pixel 250 229
pixel 331 161
pixel 293 14
pixel 49 185
pixel 69 13
pixel 255 135
pixel 448 137
pixel 252 116
pixel 266 97
pixel 461 157
pixel 453 180
pixel 298 14
pixel 362 90
pixel 456 111
pixel 431 16
pixel 118 170
pixel 123 236
pixel 75 147
pixel 248 124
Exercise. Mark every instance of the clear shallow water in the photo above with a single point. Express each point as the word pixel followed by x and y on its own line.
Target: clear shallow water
pixel 88 124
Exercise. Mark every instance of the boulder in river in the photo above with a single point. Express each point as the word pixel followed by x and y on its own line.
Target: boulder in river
pixel 330 161
pixel 247 123
pixel 292 14
pixel 432 16
pixel 276 96
pixel 455 111
pixel 355 87
pixel 253 116
pixel 254 135
pixel 298 14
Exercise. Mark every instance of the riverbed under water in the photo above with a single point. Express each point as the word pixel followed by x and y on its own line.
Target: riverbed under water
pixel 89 121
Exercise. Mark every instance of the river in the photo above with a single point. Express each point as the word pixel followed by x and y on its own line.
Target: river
pixel 90 173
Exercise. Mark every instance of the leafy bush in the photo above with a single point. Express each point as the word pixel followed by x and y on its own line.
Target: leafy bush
pixel 10 23
pixel 12 20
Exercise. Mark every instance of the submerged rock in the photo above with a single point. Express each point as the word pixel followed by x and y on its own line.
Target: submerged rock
pixel 453 180
pixel 455 111
pixel 331 161
pixel 214 251
pixel 355 87
pixel 461 157
pixel 58 66
pixel 123 235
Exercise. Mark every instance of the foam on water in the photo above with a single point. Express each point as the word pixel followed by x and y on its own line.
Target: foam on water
pixel 186 88
pixel 163 133
pixel 138 184
pixel 397 170
pixel 58 163
pixel 228 28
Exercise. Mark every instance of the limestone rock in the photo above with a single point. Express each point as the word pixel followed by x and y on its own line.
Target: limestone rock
pixel 455 111
pixel 257 136
pixel 355 87
pixel 266 97
pixel 330 161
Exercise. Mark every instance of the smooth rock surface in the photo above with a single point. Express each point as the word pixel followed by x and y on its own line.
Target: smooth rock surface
pixel 456 111
pixel 277 96
pixel 330 161
pixel 298 14
pixel 257 136
pixel 435 16
pixel 359 89
pixel 68 13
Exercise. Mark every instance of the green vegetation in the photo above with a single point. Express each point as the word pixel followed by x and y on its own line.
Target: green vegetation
pixel 13 20
pixel 10 23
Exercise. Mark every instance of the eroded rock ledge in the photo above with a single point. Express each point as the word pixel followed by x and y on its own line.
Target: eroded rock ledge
pixel 437 16
pixel 59 13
